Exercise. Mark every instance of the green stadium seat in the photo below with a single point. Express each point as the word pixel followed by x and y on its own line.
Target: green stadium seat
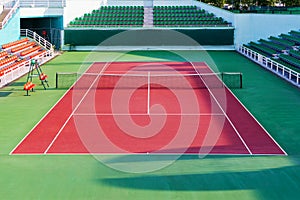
pixel 296 33
pixel 134 16
pixel 272 45
pixel 282 41
pixel 112 16
pixel 295 53
pixel 268 51
pixel 290 38
pixel 291 60
pixel 190 14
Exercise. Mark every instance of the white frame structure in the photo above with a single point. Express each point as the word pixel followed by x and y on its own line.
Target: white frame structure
pixel 23 68
pixel 36 37
pixel 10 14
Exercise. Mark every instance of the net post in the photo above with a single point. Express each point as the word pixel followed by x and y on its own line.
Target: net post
pixel 222 77
pixel 56 80
pixel 241 80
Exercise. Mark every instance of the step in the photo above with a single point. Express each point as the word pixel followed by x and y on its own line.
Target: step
pixel 148 17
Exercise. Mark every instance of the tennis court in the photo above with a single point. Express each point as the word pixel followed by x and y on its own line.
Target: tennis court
pixel 149 107
pixel 272 101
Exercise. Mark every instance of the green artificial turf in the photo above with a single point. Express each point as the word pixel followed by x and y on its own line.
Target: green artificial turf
pixel 274 102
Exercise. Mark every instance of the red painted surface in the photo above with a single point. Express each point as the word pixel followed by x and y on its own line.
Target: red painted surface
pixel 87 120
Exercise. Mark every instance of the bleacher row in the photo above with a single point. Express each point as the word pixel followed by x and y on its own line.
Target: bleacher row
pixel 111 16
pixel 133 16
pixel 184 16
pixel 284 49
pixel 13 54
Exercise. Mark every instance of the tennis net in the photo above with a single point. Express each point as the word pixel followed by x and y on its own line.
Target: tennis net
pixel 144 81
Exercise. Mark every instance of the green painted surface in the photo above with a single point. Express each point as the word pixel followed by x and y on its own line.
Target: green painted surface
pixel 149 37
pixel 272 101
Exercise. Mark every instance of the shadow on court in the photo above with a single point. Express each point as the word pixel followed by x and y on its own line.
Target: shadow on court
pixel 165 55
pixel 267 183
pixel 4 94
pixel 17 84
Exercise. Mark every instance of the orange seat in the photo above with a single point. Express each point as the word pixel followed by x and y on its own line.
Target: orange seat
pixel 24 46
pixel 43 76
pixel 3 54
pixel 38 53
pixel 8 60
pixel 26 52
pixel 29 85
pixel 11 44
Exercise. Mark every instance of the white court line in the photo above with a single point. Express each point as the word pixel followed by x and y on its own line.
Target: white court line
pixel 148 94
pixel 40 121
pixel 258 124
pixel 146 114
pixel 45 115
pixel 142 154
pixel 134 114
pixel 246 146
pixel 73 111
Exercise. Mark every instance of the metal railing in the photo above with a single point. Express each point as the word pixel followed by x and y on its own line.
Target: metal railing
pixel 12 11
pixel 8 75
pixel 271 65
pixel 7 3
pixel 33 35
pixel 43 3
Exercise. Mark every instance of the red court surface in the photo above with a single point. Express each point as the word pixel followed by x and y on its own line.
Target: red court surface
pixel 158 108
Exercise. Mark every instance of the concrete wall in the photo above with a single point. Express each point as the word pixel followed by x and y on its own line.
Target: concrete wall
pixel 41 12
pixel 249 27
pixel 11 30
pixel 226 15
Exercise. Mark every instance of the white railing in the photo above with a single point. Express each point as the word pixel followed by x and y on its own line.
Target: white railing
pixel 43 3
pixel 271 65
pixel 33 35
pixel 12 74
pixel 10 14
pixel 8 75
pixel 7 3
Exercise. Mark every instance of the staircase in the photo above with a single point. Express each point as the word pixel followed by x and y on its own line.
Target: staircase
pixel 148 17
pixel 3 16
pixel 8 12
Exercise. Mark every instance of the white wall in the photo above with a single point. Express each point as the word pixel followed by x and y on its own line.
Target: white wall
pixel 251 27
pixel 40 12
pixel 226 15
